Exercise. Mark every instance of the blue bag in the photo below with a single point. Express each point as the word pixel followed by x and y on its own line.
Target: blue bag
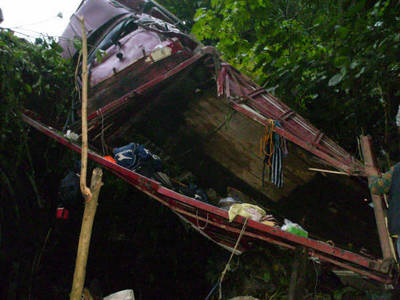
pixel 136 157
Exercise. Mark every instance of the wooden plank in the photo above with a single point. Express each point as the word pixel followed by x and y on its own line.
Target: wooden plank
pixel 236 146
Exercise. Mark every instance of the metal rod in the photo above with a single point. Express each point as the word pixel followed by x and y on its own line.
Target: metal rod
pixel 328 171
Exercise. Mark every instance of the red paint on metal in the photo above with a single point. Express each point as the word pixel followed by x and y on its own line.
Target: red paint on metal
pixel 289 136
pixel 152 83
pixel 310 138
pixel 217 218
pixel 286 115
pixel 300 131
pixel 371 275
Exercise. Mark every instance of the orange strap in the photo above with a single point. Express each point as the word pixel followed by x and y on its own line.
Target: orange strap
pixel 267 141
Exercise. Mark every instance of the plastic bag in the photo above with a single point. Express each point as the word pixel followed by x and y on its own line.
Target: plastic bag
pixel 121 295
pixel 226 203
pixel 398 117
pixel 294 228
pixel 246 210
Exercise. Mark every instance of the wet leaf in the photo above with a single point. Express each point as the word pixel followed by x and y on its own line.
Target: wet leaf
pixel 336 79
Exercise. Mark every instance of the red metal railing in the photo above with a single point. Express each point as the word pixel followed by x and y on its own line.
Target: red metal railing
pixel 258 105
pixel 218 227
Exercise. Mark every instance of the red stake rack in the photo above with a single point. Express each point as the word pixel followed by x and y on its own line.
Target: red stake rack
pixel 260 106
pixel 255 103
pixel 213 222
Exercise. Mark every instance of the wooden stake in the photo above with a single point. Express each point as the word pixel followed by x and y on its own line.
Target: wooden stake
pixel 90 195
pixel 85 235
pixel 379 210
pixel 84 189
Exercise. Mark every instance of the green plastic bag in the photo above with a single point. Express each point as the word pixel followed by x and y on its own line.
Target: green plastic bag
pixel 294 228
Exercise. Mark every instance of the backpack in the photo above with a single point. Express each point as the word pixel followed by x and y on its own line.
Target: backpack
pixel 137 158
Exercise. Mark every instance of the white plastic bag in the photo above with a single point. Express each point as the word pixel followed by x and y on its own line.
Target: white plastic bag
pixel 398 117
pixel 121 295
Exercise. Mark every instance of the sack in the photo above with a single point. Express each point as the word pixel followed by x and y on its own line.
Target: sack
pixel 246 210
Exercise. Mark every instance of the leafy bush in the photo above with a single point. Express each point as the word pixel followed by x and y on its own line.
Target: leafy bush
pixel 336 62
pixel 31 76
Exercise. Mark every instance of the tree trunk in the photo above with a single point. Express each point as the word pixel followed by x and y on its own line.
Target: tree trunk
pixel 86 233
pixel 91 194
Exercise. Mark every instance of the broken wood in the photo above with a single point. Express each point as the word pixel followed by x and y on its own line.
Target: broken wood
pixel 84 189
pixel 90 195
pixel 85 235
pixel 379 210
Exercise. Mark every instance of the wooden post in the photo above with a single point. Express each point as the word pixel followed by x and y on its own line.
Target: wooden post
pixel 85 235
pixel 84 189
pixel 90 195
pixel 379 210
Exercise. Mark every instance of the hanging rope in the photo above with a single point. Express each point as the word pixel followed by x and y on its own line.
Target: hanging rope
pixel 273 149
pixel 230 258
pixel 267 142
pixel 267 147
pixel 197 221
pixel 103 142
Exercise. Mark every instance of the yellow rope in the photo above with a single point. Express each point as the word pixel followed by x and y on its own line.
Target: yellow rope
pixel 230 258
pixel 267 141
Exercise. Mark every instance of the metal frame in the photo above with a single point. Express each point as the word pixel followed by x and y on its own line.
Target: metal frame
pixel 217 222
pixel 258 105
pixel 116 104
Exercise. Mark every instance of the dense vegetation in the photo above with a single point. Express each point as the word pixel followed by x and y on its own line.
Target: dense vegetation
pixel 334 61
pixel 31 75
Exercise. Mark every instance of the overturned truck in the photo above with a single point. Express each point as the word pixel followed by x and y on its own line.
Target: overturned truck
pixel 150 80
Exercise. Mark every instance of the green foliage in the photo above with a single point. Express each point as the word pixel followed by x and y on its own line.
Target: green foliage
pixel 144 234
pixel 31 76
pixel 100 54
pixel 185 9
pixel 336 62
